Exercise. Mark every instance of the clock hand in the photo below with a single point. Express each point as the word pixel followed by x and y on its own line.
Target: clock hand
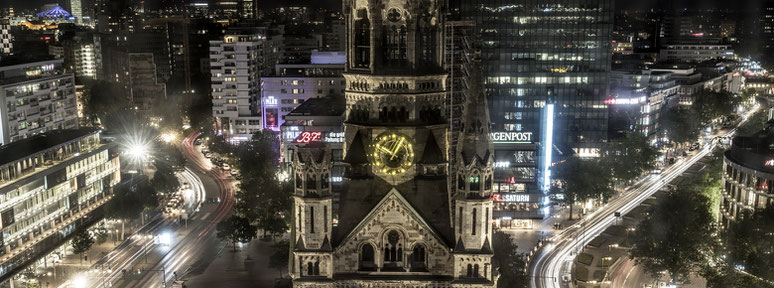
pixel 385 150
pixel 397 146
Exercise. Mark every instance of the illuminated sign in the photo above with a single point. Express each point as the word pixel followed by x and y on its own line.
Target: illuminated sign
pixel 769 162
pixel 511 137
pixel 625 101
pixel 306 137
pixel 502 164
pixel 510 197
pixel 270 101
pixel 327 137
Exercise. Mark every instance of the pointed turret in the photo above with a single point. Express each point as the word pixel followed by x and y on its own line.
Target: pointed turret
pixel 472 202
pixel 476 143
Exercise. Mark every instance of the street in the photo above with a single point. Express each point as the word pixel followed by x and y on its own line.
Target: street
pixel 554 260
pixel 169 248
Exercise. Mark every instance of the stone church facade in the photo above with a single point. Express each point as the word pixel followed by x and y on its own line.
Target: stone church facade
pixel 398 223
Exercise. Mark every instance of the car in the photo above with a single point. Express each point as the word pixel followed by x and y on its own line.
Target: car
pixel 656 171
pixel 238 177
pixel 226 166
pixel 198 142
pixel 207 155
pixel 234 172
pixel 685 153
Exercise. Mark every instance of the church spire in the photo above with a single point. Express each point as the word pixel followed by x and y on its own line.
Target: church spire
pixel 476 142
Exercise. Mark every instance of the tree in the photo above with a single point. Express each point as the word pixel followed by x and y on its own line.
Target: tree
pixel 714 104
pixel 262 198
pixel 164 179
pixel 129 201
pixel 81 241
pixel 279 259
pixel 236 229
pixel 676 236
pixel 755 123
pixel 582 180
pixel 510 263
pixel 750 243
pixel 681 125
pixel 630 157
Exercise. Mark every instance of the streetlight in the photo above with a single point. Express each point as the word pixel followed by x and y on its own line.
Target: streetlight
pixel 80 281
pixel 168 137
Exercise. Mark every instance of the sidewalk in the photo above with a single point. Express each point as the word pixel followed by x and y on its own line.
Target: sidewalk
pixel 61 264
pixel 247 267
pixel 527 239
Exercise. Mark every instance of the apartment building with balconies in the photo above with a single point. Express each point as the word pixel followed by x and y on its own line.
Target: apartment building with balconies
pixel 35 97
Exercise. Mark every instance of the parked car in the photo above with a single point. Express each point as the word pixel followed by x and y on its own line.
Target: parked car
pixel 207 155
pixel 226 167
pixel 234 172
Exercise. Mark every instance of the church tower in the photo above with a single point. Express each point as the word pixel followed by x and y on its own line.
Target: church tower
pixel 312 205
pixel 392 222
pixel 473 202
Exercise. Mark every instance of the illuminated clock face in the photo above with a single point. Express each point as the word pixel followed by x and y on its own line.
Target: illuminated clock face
pixel 393 153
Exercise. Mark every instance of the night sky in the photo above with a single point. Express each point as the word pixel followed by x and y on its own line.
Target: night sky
pixel 620 4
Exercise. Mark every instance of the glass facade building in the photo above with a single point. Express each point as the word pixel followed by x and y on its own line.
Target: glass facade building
pixel 534 53
pixel 537 51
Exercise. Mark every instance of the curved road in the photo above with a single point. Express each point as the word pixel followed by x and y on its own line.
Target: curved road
pixel 167 249
pixel 554 260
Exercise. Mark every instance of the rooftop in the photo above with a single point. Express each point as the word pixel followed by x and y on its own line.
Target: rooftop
pixel 23 148
pixel 326 106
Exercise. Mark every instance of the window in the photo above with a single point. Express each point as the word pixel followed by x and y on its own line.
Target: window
pixel 486 224
pixel 362 40
pixel 311 220
pixel 367 258
pixel 418 258
pixel 325 218
pixel 460 218
pixel 473 222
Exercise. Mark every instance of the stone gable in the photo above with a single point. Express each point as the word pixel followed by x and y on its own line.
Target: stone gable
pixel 393 214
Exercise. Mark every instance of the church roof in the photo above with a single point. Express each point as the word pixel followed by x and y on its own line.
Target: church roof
pixel 357 153
pixel 432 154
pixel 427 196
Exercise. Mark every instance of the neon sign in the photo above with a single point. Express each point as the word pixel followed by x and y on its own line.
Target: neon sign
pixel 510 197
pixel 306 137
pixel 271 101
pixel 330 137
pixel 769 163
pixel 511 137
pixel 625 101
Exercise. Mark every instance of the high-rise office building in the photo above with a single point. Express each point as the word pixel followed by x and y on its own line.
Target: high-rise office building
pixel 534 54
pixel 537 52
pixel 76 10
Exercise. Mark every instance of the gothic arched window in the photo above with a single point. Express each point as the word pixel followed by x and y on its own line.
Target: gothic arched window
pixel 309 269
pixel 393 249
pixel 470 270
pixel 475 270
pixel 362 40
pixel 418 260
pixel 325 181
pixel 367 258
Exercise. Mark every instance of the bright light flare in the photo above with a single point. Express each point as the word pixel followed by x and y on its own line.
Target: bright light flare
pixel 138 151
pixel 168 137
pixel 165 238
pixel 80 281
